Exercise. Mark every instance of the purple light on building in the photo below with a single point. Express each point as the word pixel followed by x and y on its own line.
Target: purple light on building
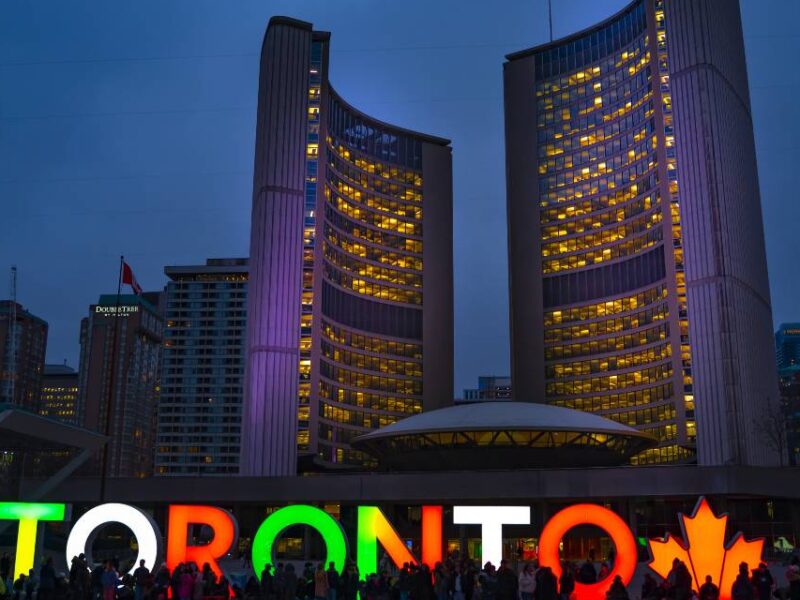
pixel 346 212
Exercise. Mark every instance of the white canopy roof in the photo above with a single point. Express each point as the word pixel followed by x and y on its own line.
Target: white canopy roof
pixel 500 415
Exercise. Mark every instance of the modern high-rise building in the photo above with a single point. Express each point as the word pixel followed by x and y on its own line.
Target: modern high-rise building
pixel 200 405
pixel 23 342
pixel 490 387
pixel 638 276
pixel 59 396
pixel 787 350
pixel 350 299
pixel 119 378
pixel 787 346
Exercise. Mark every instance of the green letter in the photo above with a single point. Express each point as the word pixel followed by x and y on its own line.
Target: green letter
pixel 299 514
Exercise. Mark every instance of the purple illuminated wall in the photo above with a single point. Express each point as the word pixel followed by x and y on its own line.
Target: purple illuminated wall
pixel 270 409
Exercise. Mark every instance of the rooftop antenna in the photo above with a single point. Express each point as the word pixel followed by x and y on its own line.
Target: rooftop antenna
pixel 550 17
pixel 12 334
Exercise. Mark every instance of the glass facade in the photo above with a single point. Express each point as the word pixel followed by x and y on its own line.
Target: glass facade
pixel 370 351
pixel 616 337
pixel 309 243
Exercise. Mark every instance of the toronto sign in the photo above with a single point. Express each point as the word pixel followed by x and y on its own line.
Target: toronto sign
pixel 702 545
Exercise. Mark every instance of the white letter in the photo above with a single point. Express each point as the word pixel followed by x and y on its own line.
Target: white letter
pixel 140 523
pixel 491 519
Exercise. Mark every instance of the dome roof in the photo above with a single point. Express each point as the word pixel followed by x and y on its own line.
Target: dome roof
pixel 483 416
pixel 503 434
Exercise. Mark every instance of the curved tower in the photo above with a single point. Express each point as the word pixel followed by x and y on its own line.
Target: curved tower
pixel 636 250
pixel 350 299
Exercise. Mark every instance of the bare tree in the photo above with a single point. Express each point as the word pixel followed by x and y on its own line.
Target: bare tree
pixel 772 426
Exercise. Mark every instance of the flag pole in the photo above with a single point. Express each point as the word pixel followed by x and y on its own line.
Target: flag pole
pixel 111 383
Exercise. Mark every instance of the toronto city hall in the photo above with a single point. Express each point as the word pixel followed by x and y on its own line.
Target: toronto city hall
pixel 643 366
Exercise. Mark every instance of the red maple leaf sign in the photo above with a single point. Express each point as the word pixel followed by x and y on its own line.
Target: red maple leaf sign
pixel 704 551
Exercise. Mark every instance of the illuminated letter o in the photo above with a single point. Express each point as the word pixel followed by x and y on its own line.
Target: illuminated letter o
pixel 611 523
pixel 140 523
pixel 299 514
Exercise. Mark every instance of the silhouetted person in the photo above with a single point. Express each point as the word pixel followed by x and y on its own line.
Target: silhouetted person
pixel 587 572
pixel 47 581
pixel 793 577
pixel 650 589
pixel 762 582
pixel 546 585
pixel 617 591
pixel 507 584
pixel 141 577
pixel 566 584
pixel 267 582
pixel 5 566
pixel 333 581
pixel 742 588
pixel 709 591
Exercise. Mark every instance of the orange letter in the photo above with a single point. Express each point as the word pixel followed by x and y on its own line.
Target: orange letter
pixel 220 521
pixel 431 535
pixel 589 514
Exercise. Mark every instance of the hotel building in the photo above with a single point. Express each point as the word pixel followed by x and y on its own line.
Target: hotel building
pixel 638 276
pixel 200 405
pixel 350 299
pixel 119 378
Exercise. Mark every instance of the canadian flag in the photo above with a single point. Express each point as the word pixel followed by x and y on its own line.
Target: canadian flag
pixel 130 279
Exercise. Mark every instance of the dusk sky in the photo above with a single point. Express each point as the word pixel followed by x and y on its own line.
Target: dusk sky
pixel 128 128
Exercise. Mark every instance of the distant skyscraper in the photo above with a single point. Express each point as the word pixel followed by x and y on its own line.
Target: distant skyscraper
pixel 59 398
pixel 491 387
pixel 200 406
pixel 21 358
pixel 787 347
pixel 637 265
pixel 350 322
pixel 134 361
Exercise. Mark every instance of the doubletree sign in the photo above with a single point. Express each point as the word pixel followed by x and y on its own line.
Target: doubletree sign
pixel 702 546
pixel 122 310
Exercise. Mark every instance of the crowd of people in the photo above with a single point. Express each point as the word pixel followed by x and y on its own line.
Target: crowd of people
pixel 755 584
pixel 452 579
pixel 104 582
